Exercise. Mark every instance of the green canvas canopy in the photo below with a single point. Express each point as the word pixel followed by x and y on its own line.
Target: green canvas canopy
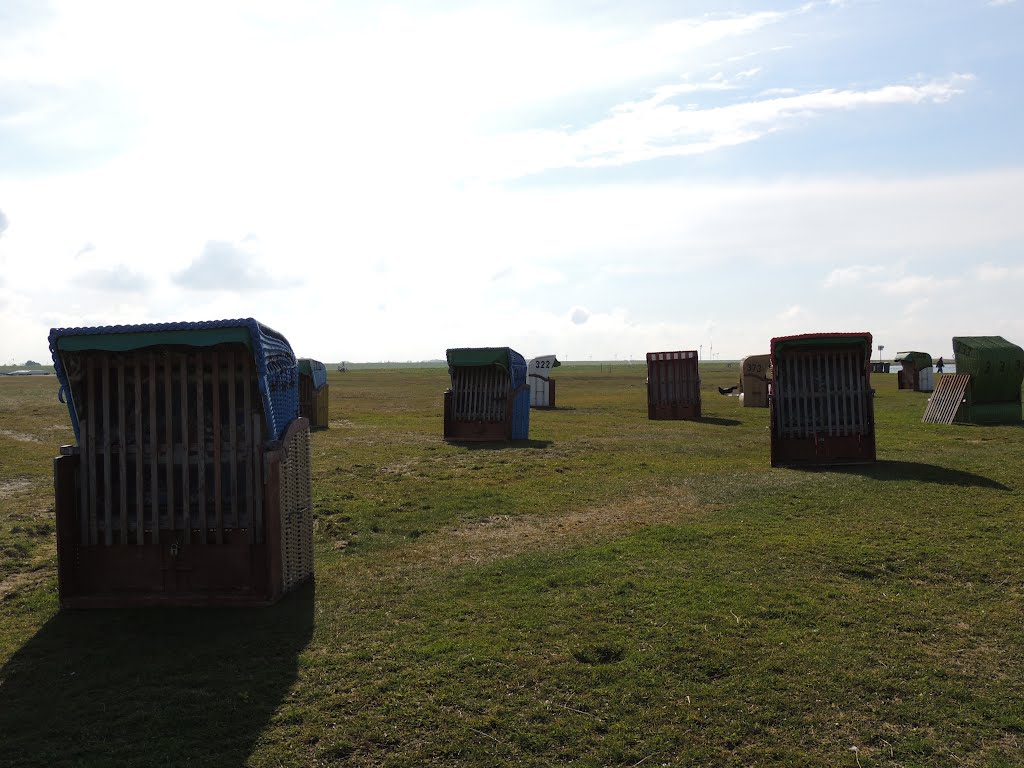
pixel 996 367
pixel 479 356
pixel 818 340
pixel 125 342
pixel 919 360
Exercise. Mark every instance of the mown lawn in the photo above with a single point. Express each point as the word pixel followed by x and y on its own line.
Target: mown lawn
pixel 614 591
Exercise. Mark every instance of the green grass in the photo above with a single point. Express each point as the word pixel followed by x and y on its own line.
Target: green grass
pixel 614 591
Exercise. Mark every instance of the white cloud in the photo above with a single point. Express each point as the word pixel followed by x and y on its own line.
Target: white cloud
pixel 226 266
pixel 524 276
pixel 847 275
pixel 918 285
pixel 121 279
pixel 891 280
pixel 915 308
pixel 652 128
pixel 992 273
pixel 790 313
pixel 617 331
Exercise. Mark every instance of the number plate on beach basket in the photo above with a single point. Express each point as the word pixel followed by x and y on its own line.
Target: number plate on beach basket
pixel 542 386
pixel 190 483
pixel 755 372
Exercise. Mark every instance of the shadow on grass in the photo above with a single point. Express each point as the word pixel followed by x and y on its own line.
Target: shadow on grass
pixel 971 424
pixel 497 445
pixel 909 470
pixel 157 686
pixel 719 422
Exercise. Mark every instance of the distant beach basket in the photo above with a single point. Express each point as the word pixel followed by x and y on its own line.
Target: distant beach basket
pixel 996 368
pixel 916 372
pixel 755 373
pixel 673 385
pixel 314 393
pixel 542 386
pixel 489 398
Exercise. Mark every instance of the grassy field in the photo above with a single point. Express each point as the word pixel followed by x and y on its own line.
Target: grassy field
pixel 614 591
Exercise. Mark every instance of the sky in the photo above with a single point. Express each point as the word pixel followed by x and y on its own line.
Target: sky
pixel 592 179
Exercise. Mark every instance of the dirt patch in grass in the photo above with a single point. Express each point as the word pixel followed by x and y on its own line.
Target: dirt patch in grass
pixel 400 468
pixel 369 435
pixel 9 488
pixel 18 581
pixel 19 436
pixel 504 536
pixel 345 424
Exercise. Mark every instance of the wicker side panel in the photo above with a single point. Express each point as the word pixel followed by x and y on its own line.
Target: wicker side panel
pixel 296 509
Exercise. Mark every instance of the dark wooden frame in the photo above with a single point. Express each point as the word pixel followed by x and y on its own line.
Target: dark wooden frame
pixel 478 407
pixel 172 496
pixel 313 403
pixel 673 386
pixel 822 407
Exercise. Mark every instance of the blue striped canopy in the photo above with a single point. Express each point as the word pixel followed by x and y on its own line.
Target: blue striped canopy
pixel 276 368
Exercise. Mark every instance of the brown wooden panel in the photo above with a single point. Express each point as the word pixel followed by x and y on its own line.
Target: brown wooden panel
pixel 673 411
pixel 154 454
pixel 201 447
pixel 168 446
pixel 258 478
pixel 122 453
pixel 85 484
pixel 232 436
pixel 108 528
pixel 139 443
pixel 186 450
pixel 823 450
pixel 249 449
pixel 66 470
pixel 218 507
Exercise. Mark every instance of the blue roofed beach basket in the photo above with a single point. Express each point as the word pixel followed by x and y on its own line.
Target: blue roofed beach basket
pixel 276 366
pixel 190 483
pixel 313 392
pixel 489 398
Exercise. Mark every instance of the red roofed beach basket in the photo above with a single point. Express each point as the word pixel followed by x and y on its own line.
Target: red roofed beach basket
pixel 673 385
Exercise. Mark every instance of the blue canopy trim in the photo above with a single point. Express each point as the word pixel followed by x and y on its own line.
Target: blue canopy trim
pixel 315 370
pixel 276 369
